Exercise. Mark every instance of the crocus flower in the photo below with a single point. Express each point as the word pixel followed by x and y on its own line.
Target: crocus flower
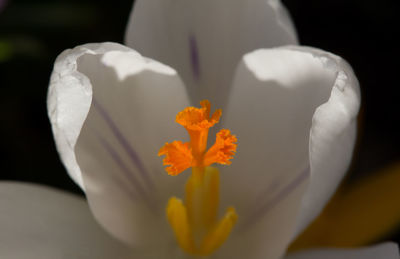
pixel 292 111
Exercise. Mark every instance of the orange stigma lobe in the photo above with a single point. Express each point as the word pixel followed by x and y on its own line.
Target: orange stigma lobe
pixel 178 156
pixel 223 149
pixel 197 121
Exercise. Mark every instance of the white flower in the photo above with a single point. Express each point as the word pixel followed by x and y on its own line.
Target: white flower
pixel 293 109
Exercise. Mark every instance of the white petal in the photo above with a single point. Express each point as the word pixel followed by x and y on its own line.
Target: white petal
pixel 204 40
pixel 37 222
pixel 132 115
pixel 381 251
pixel 266 233
pixel 273 99
pixel 332 135
pixel 68 102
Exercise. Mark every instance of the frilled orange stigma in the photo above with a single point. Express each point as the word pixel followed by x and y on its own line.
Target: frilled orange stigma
pixel 223 149
pixel 195 220
pixel 178 155
pixel 197 121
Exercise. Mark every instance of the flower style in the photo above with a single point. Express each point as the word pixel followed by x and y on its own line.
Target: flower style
pixel 292 108
pixel 194 222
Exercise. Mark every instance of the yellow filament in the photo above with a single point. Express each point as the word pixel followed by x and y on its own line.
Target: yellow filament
pixel 202 197
pixel 211 196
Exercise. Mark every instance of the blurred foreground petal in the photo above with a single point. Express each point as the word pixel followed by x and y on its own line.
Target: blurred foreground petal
pixel 38 222
pixel 381 251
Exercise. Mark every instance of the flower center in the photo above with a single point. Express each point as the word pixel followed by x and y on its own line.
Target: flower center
pixel 194 221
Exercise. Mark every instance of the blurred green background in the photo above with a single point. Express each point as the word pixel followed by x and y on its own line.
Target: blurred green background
pixel 33 33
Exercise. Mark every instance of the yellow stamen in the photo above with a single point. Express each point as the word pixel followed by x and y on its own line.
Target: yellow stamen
pixel 178 219
pixel 220 233
pixel 195 223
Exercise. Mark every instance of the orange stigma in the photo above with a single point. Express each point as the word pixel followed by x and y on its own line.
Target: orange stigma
pixel 197 121
pixel 195 220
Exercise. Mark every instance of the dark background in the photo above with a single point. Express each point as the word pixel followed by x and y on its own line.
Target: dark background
pixel 33 33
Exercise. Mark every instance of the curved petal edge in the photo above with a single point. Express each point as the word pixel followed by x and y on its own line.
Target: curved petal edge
pixel 68 101
pixel 332 136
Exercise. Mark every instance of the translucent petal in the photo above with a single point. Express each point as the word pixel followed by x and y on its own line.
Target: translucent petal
pixel 122 107
pixel 273 100
pixel 332 135
pixel 204 40
pixel 68 101
pixel 131 116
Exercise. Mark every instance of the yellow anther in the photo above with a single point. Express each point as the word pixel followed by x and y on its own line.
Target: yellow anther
pixel 220 233
pixel 194 222
pixel 178 219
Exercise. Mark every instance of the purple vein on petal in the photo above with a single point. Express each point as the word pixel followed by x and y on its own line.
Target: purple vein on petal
pixel 276 199
pixel 128 174
pixel 124 143
pixel 194 57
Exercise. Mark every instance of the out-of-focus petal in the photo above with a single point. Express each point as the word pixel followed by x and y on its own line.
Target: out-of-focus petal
pixel 340 223
pixel 272 102
pixel 381 251
pixel 134 103
pixel 37 222
pixel 332 135
pixel 204 40
pixel 68 102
